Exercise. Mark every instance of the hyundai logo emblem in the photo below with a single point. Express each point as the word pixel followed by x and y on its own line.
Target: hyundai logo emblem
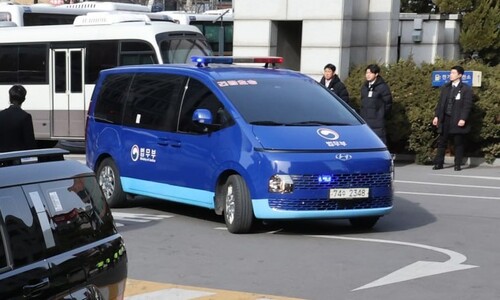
pixel 343 156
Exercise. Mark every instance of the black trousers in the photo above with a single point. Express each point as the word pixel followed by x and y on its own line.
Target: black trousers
pixel 458 143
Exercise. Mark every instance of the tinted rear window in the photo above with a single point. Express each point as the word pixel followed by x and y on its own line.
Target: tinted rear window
pixel 289 101
pixel 22 229
pixel 77 212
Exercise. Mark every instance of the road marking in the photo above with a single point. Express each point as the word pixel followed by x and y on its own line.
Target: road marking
pixel 449 184
pixel 469 176
pixel 171 294
pixel 145 290
pixel 136 217
pixel 449 195
pixel 416 270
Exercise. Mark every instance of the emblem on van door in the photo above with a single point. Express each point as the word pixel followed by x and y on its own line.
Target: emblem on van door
pixel 328 134
pixel 134 153
pixel 343 156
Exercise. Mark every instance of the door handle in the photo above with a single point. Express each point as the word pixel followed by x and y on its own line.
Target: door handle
pixel 31 290
pixel 163 142
pixel 175 144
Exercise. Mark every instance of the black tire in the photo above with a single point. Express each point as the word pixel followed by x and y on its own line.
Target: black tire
pixel 238 212
pixel 363 222
pixel 108 177
pixel 42 144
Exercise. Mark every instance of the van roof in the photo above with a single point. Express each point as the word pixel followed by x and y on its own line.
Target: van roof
pixel 214 71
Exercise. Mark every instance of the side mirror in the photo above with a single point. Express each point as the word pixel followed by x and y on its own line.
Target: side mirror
pixel 203 116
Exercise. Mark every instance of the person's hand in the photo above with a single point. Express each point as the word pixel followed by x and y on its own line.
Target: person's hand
pixel 435 121
pixel 461 123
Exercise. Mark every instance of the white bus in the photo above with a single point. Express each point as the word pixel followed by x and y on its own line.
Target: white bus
pixel 59 64
pixel 46 14
pixel 210 25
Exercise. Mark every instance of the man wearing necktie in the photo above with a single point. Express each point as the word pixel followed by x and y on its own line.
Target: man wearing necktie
pixel 451 117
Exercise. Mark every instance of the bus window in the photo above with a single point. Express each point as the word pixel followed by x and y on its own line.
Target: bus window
pixel 25 63
pixel 211 31
pixel 180 50
pixel 137 53
pixel 37 19
pixel 100 55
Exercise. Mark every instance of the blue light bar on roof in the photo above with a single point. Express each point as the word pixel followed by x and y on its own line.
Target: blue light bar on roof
pixel 205 60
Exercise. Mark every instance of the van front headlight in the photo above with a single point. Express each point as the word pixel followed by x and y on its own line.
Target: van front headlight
pixel 280 183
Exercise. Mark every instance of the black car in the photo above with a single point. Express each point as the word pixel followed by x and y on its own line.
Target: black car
pixel 57 235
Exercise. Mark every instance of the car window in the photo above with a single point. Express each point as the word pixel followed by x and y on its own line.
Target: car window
pixel 78 212
pixel 290 101
pixel 112 98
pixel 3 249
pixel 199 96
pixel 23 230
pixel 153 101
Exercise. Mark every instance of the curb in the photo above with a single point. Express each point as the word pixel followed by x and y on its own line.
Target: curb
pixel 469 161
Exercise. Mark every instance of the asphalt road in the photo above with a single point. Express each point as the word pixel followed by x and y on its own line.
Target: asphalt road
pixel 439 242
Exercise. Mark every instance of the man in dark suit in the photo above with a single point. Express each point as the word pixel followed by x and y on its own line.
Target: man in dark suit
pixel 451 117
pixel 332 82
pixel 376 101
pixel 16 125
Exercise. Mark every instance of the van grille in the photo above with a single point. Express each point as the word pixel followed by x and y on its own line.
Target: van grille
pixel 327 204
pixel 304 183
pixel 311 182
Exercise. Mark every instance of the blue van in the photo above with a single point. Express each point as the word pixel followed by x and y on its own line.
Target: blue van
pixel 249 143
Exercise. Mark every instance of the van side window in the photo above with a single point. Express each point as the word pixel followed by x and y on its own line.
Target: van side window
pixel 109 108
pixel 199 96
pixel 3 249
pixel 22 229
pixel 153 101
pixel 77 212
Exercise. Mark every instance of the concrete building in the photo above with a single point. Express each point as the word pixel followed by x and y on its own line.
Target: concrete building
pixel 310 34
pixel 427 37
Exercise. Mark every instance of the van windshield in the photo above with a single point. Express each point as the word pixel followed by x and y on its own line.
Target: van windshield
pixel 287 102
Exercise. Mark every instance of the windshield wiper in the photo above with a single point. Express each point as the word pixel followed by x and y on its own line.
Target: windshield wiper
pixel 315 123
pixel 268 123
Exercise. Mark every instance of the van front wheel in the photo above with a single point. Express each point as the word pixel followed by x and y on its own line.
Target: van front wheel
pixel 109 180
pixel 238 212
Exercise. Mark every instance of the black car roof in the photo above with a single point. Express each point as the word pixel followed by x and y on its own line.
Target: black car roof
pixel 38 166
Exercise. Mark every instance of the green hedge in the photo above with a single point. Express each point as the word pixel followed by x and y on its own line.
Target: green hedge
pixel 409 127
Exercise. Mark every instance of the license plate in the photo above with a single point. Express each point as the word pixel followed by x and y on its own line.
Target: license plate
pixel 349 193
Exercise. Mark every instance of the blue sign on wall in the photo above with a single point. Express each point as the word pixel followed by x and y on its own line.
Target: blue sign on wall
pixel 439 78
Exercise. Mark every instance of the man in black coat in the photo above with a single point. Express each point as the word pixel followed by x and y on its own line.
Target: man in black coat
pixel 376 101
pixel 16 125
pixel 332 82
pixel 451 117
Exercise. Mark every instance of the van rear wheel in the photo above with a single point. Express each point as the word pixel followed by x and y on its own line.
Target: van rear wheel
pixel 363 222
pixel 109 180
pixel 238 212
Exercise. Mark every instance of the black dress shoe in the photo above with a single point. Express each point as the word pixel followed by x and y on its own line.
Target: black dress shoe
pixel 458 168
pixel 437 167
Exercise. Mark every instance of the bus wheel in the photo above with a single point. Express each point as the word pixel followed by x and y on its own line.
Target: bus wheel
pixel 363 222
pixel 109 180
pixel 238 212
